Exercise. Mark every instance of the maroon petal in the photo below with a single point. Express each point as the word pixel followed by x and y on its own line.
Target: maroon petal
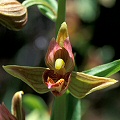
pixel 49 59
pixel 57 83
pixel 5 114
pixel 70 60
pixel 55 51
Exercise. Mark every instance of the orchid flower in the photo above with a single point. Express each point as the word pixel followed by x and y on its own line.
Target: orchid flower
pixel 59 75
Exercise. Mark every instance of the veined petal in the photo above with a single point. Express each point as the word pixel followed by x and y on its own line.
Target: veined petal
pixel 56 52
pixel 62 34
pixel 30 75
pixel 13 14
pixel 70 63
pixel 49 58
pixel 83 84
pixel 60 49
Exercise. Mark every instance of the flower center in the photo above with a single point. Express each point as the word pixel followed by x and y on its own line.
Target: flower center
pixel 55 86
pixel 56 83
pixel 59 64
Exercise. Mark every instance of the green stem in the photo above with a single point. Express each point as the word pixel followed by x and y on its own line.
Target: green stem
pixel 61 14
pixel 66 107
pixel 59 107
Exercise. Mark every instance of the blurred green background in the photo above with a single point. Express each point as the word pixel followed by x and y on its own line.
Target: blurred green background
pixel 94 33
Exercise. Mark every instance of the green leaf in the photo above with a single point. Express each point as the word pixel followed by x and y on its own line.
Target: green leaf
pixel 47 7
pixel 51 13
pixel 30 75
pixel 29 99
pixel 36 111
pixel 105 70
pixel 83 84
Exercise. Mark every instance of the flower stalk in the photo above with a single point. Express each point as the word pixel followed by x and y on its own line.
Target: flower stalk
pixel 61 14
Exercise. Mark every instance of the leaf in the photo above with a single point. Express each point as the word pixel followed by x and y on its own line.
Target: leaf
pixel 30 75
pixel 29 99
pixel 48 12
pixel 83 84
pixel 105 70
pixel 36 111
pixel 47 7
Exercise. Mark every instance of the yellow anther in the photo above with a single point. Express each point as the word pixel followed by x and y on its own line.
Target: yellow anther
pixel 59 63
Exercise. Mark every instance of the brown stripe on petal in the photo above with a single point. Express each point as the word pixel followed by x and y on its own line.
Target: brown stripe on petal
pixel 62 53
pixel 49 58
pixel 70 63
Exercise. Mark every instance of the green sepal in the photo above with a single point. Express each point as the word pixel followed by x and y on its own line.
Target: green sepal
pixel 83 84
pixel 32 76
pixel 62 34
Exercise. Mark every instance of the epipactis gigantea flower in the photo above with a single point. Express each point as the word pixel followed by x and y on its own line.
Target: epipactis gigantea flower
pixel 59 76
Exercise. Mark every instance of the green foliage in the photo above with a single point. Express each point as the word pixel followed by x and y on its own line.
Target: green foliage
pixel 35 107
pixel 105 70
pixel 46 7
pixel 72 103
pixel 68 107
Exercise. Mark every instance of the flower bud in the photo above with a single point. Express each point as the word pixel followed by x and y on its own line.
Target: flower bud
pixel 13 14
pixel 17 109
